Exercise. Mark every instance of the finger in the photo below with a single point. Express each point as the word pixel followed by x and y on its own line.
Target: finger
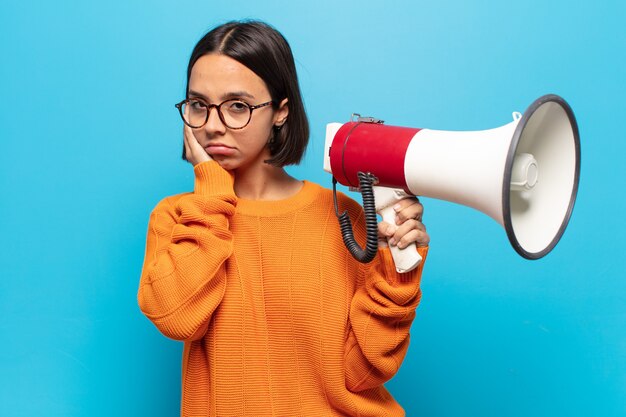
pixel 186 143
pixel 194 151
pixel 194 144
pixel 190 138
pixel 186 135
pixel 407 226
pixel 386 230
pixel 419 237
pixel 405 229
pixel 408 209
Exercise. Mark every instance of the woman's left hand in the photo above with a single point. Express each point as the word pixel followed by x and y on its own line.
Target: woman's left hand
pixel 408 228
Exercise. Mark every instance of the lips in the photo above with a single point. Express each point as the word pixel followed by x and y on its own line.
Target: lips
pixel 219 149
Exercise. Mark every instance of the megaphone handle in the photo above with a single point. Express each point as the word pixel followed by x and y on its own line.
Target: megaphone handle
pixel 405 259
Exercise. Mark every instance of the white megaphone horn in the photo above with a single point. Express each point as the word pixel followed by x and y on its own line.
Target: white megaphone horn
pixel 524 174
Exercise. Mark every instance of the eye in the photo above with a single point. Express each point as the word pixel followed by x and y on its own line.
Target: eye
pixel 197 105
pixel 237 106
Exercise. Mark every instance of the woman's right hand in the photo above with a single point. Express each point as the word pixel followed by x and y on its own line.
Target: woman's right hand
pixel 194 152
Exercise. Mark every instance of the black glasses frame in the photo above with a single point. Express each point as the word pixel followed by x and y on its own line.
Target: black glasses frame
pixel 179 106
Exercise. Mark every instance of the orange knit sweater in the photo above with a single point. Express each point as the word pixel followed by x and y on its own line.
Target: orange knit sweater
pixel 277 318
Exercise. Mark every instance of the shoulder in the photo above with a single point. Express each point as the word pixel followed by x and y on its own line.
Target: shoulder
pixel 167 205
pixel 344 202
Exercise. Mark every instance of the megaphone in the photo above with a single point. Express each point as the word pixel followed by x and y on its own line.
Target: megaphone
pixel 524 174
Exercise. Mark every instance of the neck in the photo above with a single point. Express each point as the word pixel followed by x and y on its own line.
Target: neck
pixel 265 182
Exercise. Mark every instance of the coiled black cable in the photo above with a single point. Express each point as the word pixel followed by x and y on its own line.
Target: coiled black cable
pixel 366 182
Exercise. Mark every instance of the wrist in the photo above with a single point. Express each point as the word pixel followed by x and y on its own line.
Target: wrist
pixel 212 179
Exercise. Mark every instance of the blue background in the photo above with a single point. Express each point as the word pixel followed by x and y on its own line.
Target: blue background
pixel 90 142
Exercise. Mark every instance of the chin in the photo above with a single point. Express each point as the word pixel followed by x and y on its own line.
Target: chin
pixel 234 164
pixel 224 163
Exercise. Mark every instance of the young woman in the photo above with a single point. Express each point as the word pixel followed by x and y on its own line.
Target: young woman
pixel 250 269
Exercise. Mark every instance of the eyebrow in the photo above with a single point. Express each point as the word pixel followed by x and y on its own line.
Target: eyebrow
pixel 227 96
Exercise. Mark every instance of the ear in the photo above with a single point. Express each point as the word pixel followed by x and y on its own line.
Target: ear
pixel 280 115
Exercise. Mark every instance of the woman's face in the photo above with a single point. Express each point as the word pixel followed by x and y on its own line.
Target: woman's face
pixel 216 78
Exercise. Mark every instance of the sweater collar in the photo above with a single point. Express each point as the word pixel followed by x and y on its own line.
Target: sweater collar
pixel 268 208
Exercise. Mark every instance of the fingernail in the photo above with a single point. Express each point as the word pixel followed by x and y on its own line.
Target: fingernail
pixel 397 207
pixel 392 241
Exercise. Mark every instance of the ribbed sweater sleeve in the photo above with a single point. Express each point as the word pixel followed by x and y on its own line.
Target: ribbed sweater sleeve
pixel 381 313
pixel 183 278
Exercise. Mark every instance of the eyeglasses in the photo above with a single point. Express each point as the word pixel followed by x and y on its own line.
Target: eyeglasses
pixel 234 113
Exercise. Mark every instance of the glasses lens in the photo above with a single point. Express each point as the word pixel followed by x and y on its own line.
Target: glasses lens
pixel 194 112
pixel 236 113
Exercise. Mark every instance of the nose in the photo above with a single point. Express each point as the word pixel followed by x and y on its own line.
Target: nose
pixel 214 124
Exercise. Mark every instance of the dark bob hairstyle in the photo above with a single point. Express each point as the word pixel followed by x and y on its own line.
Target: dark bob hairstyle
pixel 266 52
